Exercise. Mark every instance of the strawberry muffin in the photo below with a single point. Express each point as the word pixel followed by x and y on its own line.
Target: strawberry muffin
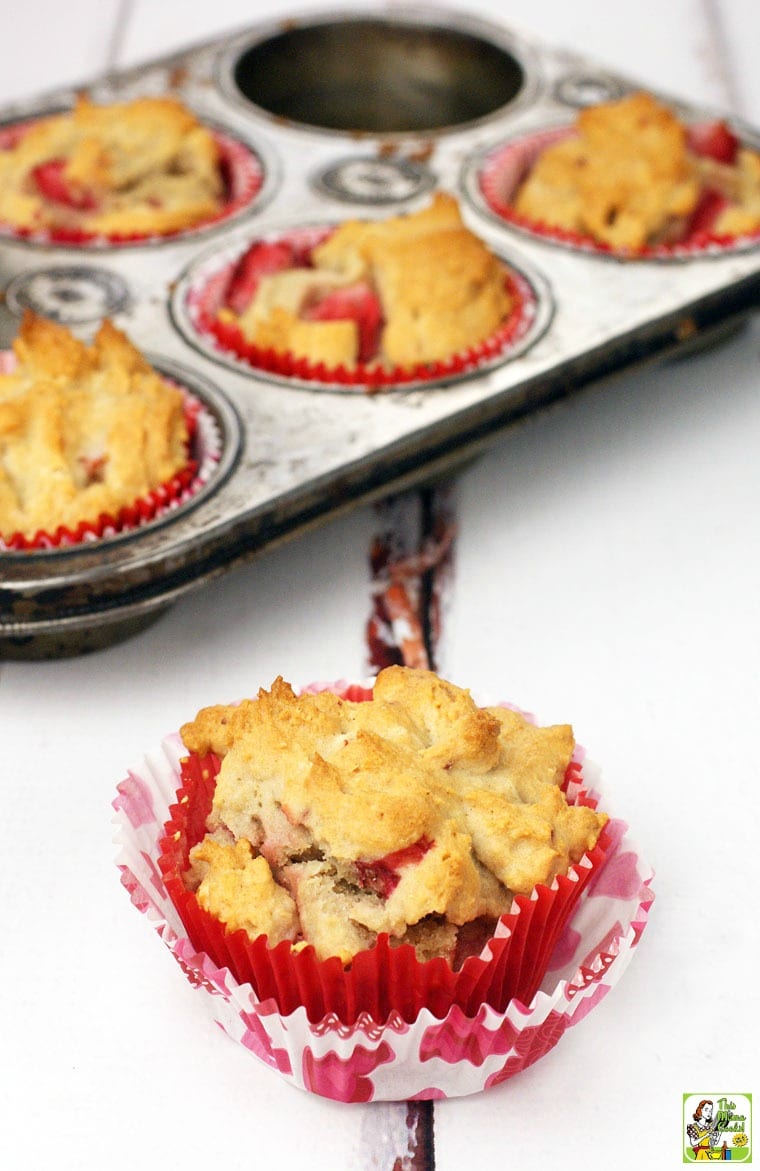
pixel 402 822
pixel 631 177
pixel 85 430
pixel 405 292
pixel 142 168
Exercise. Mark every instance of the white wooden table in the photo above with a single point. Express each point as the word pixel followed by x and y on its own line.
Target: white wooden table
pixel 607 573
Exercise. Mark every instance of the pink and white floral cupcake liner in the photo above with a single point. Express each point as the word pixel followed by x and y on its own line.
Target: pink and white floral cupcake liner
pixel 495 176
pixel 433 1055
pixel 242 171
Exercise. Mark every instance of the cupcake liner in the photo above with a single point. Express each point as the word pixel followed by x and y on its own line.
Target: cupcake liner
pixel 242 172
pixel 204 450
pixel 499 172
pixel 357 1051
pixel 208 282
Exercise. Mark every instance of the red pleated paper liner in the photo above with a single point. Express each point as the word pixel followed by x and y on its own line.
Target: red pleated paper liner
pixel 205 297
pixel 242 174
pixel 203 455
pixel 501 170
pixel 383 979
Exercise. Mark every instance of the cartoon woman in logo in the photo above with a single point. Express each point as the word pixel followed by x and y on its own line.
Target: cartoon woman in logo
pixel 704 1134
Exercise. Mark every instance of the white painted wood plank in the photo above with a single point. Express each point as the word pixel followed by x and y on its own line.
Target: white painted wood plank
pixel 738 24
pixel 622 587
pixel 47 44
pixel 607 575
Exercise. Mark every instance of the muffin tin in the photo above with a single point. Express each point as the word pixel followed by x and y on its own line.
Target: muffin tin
pixel 343 113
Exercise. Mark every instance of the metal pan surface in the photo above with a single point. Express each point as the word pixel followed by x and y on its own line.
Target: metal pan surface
pixel 346 115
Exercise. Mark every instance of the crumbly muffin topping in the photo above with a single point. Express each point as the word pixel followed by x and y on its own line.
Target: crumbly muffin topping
pixel 402 291
pixel 633 175
pixel 84 430
pixel 145 167
pixel 413 814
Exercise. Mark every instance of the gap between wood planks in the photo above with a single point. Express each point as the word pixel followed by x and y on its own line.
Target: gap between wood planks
pixel 411 563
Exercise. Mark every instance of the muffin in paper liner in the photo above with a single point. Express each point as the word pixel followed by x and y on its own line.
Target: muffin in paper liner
pixel 242 172
pixel 434 1047
pixel 495 176
pixel 202 296
pixel 204 449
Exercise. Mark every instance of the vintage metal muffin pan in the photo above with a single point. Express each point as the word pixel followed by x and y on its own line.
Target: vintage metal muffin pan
pixel 344 113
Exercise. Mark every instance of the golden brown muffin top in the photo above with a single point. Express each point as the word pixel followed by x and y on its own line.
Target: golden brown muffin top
pixel 415 808
pixel 630 176
pixel 623 178
pixel 440 288
pixel 145 167
pixel 84 429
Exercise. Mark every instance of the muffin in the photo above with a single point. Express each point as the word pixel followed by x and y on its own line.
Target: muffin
pixel 631 177
pixel 405 297
pixel 86 431
pixel 404 826
pixel 141 168
pixel 380 1023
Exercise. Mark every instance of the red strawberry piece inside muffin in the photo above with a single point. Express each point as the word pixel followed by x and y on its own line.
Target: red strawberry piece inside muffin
pixel 713 140
pixel 52 182
pixel 357 303
pixel 261 259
